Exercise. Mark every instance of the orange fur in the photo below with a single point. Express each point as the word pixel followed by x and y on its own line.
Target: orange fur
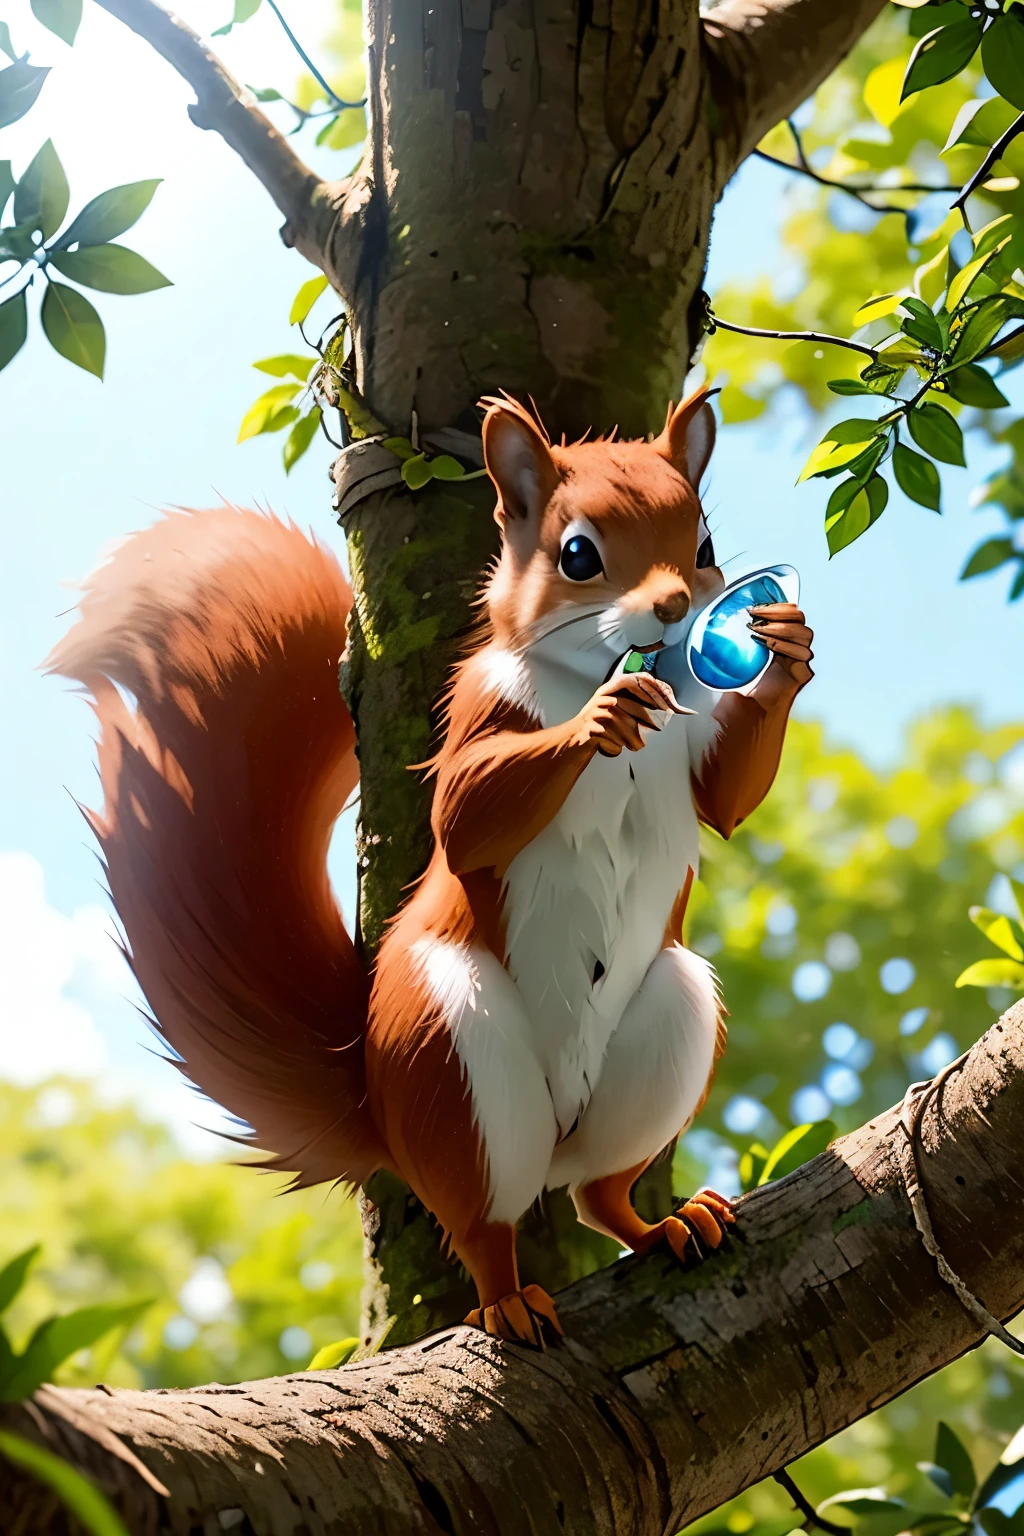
pixel 221 789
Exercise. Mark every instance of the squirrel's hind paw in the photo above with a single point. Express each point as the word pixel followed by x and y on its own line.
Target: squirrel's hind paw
pixel 527 1317
pixel 696 1229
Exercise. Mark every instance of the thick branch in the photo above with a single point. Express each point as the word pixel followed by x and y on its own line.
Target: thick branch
pixel 673 1391
pixel 772 54
pixel 222 104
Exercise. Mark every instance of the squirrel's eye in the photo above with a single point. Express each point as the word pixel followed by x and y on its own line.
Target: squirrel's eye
pixel 579 559
pixel 706 554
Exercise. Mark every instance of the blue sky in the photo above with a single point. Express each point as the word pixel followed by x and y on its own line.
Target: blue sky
pixel 84 462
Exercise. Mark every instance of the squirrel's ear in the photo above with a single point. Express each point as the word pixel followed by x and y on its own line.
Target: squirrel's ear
pixel 689 435
pixel 518 460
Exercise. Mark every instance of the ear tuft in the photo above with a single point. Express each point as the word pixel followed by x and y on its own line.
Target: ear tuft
pixel 518 458
pixel 688 436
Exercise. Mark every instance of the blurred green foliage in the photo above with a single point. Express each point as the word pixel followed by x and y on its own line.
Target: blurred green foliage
pixel 246 1284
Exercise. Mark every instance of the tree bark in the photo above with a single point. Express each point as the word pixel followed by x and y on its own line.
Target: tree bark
pixel 674 1389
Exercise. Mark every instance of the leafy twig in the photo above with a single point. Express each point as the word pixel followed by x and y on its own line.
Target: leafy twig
pixel 803 167
pixel 806 1508
pixel 317 76
pixel 715 322
pixel 1015 128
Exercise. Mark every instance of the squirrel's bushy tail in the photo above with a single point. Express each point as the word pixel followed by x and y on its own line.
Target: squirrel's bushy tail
pixel 210 644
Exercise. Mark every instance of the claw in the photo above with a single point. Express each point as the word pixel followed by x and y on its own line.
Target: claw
pixel 524 1316
pixel 695 1230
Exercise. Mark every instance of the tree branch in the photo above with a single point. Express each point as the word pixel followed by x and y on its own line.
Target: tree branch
pixel 673 1391
pixel 769 55
pixel 309 204
pixel 981 174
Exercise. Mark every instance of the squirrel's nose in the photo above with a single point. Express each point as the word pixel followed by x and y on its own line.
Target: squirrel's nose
pixel 670 609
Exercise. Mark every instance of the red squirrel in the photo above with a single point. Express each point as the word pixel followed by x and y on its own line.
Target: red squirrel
pixel 533 1019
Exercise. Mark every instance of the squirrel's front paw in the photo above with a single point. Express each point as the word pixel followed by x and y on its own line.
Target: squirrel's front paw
pixel 783 630
pixel 525 1316
pixel 613 718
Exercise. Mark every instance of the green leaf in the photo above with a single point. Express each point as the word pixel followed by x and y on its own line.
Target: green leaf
pixel 984 322
pixel 416 472
pixel 964 129
pixel 988 557
pixel 997 929
pixel 927 332
pixel 936 431
pixel 1002 55
pixel 993 1522
pixel 866 463
pixel 922 325
pixel 61 16
pixel 270 412
pixel 937 14
pixel 965 277
pixel 1017 585
pixel 877 306
pixel 752 1163
pixel 841 444
pixel 6 46
pixel 12 1276
pixel 110 269
pixel 974 385
pixel 13 327
pixel 110 214
pixel 344 130
pixel 20 84
pixel 287 364
pixel 916 477
pixel 938 1475
pixel 333 1355
pixel 797 1147
pixel 952 1455
pixel 7 184
pixel 993 973
pixel 243 10
pixel 862 1501
pixel 265 93
pixel 305 299
pixel 444 467
pixel 993 234
pixel 401 447
pixel 300 437
pixel 942 54
pixel 864 506
pixel 57 1339
pixel 930 279
pixel 78 1495
pixel 73 328
pixel 42 195
pixel 851 387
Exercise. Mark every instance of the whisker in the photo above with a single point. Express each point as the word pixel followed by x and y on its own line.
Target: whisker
pixel 578 617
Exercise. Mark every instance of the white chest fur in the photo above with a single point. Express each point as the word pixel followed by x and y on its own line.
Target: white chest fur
pixel 588 900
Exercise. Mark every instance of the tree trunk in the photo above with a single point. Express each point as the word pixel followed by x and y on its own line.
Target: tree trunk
pixel 674 1389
